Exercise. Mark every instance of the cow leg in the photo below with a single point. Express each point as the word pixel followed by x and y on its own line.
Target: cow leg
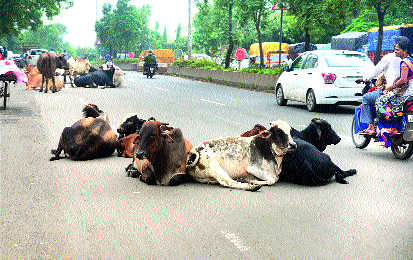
pixel 41 86
pixel 225 180
pixel 46 88
pixel 264 177
pixel 54 85
pixel 340 175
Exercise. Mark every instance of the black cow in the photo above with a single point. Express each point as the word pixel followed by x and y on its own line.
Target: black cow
pixel 131 124
pixel 308 165
pixel 89 138
pixel 96 78
pixel 160 156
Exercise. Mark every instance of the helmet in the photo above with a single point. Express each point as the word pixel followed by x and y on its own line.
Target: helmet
pixel 150 51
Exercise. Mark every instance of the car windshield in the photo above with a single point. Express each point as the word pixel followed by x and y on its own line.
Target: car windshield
pixel 347 60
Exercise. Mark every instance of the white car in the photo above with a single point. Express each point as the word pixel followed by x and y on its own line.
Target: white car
pixel 324 77
pixel 33 56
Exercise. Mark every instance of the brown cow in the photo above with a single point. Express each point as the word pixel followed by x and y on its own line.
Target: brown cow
pixel 89 138
pixel 35 79
pixel 46 64
pixel 160 154
pixel 125 146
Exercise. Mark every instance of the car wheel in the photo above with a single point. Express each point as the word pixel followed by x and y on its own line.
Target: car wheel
pixel 279 94
pixel 311 101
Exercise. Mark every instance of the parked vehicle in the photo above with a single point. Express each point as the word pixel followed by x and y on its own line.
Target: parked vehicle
pixel 33 56
pixel 401 143
pixel 323 77
pixel 269 49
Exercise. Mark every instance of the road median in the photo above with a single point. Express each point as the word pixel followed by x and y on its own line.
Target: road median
pixel 253 81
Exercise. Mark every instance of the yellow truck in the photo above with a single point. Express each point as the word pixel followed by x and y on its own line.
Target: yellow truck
pixel 271 53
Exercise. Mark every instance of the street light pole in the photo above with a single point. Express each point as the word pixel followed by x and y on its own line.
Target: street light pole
pixel 189 31
pixel 281 39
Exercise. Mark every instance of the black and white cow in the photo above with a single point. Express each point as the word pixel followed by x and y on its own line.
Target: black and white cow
pixel 230 160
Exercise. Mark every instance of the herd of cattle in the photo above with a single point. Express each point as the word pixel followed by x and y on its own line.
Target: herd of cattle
pixel 161 155
pixel 80 72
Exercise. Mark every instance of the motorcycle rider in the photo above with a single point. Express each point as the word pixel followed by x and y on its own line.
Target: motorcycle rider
pixel 149 61
pixel 389 65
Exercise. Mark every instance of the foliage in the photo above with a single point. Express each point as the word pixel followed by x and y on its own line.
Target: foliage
pixel 19 15
pixel 255 11
pixel 49 37
pixel 208 64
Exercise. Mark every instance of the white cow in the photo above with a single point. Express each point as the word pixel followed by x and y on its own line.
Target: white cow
pixel 242 162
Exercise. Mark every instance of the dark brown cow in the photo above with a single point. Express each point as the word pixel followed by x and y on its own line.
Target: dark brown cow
pixel 46 64
pixel 161 154
pixel 89 138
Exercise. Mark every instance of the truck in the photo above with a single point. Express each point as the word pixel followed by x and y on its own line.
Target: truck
pixel 390 33
pixel 271 53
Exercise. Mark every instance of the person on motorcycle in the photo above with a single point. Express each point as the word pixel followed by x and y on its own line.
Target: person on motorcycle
pixel 389 107
pixel 390 66
pixel 149 61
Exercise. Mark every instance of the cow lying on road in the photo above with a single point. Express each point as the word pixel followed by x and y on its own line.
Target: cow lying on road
pixel 160 155
pixel 97 78
pixel 308 165
pixel 256 159
pixel 89 138
pixel 128 130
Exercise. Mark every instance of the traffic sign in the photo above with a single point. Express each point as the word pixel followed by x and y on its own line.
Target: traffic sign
pixel 282 7
pixel 240 54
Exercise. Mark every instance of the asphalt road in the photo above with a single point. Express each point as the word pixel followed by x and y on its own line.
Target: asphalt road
pixel 91 210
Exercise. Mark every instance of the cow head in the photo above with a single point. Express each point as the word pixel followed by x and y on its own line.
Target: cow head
pixel 91 110
pixel 322 134
pixel 150 143
pixel 279 138
pixel 131 124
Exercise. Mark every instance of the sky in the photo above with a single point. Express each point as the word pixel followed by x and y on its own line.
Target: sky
pixel 80 19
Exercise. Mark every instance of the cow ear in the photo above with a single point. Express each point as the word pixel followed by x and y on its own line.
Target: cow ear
pixel 265 134
pixel 167 137
pixel 137 139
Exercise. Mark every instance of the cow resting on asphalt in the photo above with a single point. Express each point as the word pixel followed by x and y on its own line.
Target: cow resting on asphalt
pixel 77 67
pixel 160 155
pixel 308 165
pixel 128 130
pixel 97 78
pixel 89 138
pixel 256 160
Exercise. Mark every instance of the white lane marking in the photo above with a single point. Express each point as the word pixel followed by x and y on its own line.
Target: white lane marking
pixel 162 89
pixel 209 101
pixel 236 241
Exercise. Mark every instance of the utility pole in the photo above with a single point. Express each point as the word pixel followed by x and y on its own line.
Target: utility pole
pixel 189 31
pixel 96 40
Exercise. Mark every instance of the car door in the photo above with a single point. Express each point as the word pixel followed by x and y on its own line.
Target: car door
pixel 295 76
pixel 306 76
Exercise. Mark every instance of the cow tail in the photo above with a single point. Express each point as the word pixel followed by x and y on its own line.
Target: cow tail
pixel 192 158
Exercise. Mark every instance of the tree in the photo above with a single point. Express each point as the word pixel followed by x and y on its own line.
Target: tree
pixel 256 11
pixel 124 28
pixel 49 36
pixel 19 15
pixel 382 7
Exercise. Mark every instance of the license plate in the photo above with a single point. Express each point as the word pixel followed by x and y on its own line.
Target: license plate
pixel 410 118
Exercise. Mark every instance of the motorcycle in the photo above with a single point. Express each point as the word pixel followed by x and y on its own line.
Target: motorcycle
pixel 401 141
pixel 150 70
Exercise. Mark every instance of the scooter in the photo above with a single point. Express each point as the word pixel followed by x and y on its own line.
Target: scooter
pixel 401 142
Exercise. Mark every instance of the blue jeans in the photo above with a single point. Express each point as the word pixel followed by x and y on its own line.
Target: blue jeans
pixel 368 108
